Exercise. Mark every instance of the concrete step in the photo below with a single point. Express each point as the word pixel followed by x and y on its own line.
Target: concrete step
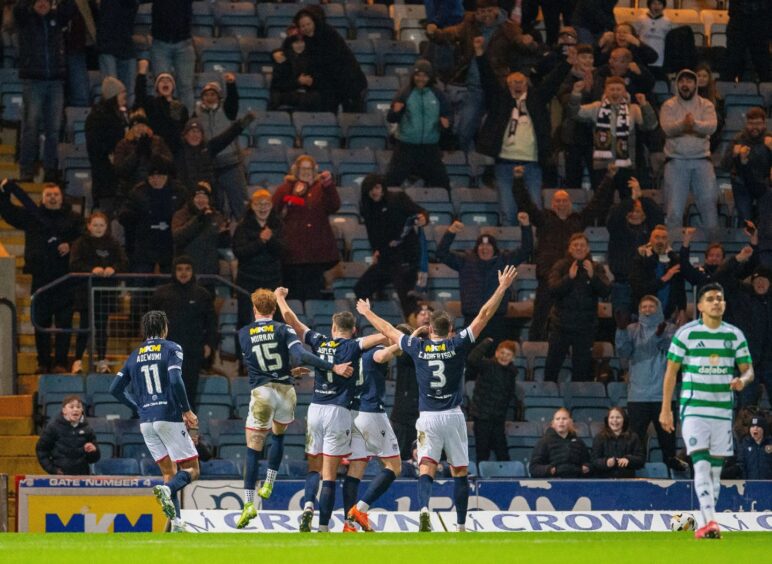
pixel 16 425
pixel 13 465
pixel 16 406
pixel 18 445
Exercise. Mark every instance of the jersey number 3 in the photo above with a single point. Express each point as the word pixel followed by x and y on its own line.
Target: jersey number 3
pixel 438 372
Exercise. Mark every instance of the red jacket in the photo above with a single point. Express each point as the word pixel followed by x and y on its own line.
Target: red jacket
pixel 307 232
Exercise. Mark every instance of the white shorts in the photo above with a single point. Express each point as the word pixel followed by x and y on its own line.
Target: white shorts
pixel 271 402
pixel 713 435
pixel 329 430
pixel 443 430
pixel 167 438
pixel 372 435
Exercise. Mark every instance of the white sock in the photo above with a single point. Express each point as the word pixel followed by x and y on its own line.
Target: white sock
pixel 308 506
pixel 249 495
pixel 460 528
pixel 362 506
pixel 270 477
pixel 715 475
pixel 703 486
pixel 324 528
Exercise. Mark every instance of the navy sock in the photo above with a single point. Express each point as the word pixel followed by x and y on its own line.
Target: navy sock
pixel 253 466
pixel 179 481
pixel 379 486
pixel 461 498
pixel 326 502
pixel 176 500
pixel 276 452
pixel 312 485
pixel 350 492
pixel 424 490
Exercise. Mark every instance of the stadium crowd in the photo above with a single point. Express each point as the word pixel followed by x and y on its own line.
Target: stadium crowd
pixel 603 147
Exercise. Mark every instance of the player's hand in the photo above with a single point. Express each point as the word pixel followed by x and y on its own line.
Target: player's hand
pixel 611 461
pixel 363 306
pixel 281 293
pixel 345 370
pixel 588 267
pixel 89 447
pixel 507 276
pixel 190 419
pixel 300 371
pixel 737 384
pixel 456 227
pixel 523 219
pixel 623 462
pixel 573 270
pixel 422 330
pixel 666 421
pixel 672 271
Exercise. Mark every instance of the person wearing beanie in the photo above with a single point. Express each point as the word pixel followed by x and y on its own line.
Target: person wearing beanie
pixel 217 116
pixel 463 85
pixel 393 222
pixel 106 125
pixel 688 120
pixel 477 272
pixel 166 114
pixel 192 320
pixel 644 345
pixel 114 43
pixel 421 111
pixel 42 63
pixel 195 160
pixel 754 453
pixel 172 49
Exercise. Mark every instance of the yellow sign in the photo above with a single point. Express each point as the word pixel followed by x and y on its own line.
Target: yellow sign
pixel 94 514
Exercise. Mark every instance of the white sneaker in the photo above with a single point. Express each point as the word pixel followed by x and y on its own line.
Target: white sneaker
pixel 460 528
pixel 178 526
pixel 164 496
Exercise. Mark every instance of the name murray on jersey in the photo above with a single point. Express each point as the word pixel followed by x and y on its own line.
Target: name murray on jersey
pixel 261 334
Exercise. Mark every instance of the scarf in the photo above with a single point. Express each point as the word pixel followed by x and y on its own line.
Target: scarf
pixel 518 111
pixel 602 139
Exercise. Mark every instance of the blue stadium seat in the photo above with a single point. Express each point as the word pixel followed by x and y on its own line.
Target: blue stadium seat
pixel 349 203
pixel 253 92
pixel 257 52
pixel 98 383
pixel 149 467
pixel 276 18
pixel 364 130
pixel 476 206
pixel 443 282
pixel 617 392
pixel 317 129
pixel 653 470
pixel 293 469
pixel 268 166
pixel 388 310
pixel 435 201
pixel 539 414
pixel 380 92
pixel 496 469
pixel 521 453
pixel 75 129
pixel 203 19
pixel 458 168
pixel 218 53
pixel 116 467
pixel 365 54
pixel 144 19
pixel 396 57
pixel 240 391
pixel 213 385
pixel 138 451
pixel 237 19
pixel 219 470
pixel 213 410
pixel 10 95
pixel 352 165
pixel 370 21
pixel 320 154
pixel 349 274
pixel 273 128
pixel 585 394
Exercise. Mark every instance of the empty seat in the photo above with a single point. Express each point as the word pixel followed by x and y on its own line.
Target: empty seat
pixel 370 21
pixel 504 469
pixel 276 18
pixel 317 129
pixel 396 57
pixel 365 54
pixel 352 165
pixel 149 467
pixel 236 19
pixel 75 119
pixel 10 95
pixel 364 130
pixel 380 92
pixel 253 92
pixel 117 467
pixel 267 166
pixel 257 52
pixel 478 206
pixel 348 273
pixel 273 128
pixel 435 201
pixel 203 19
pixel 218 54
pixel 335 16
pixel 219 470
pixel 655 470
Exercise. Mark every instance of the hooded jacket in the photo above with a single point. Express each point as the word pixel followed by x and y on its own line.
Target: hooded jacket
pixel 682 145
pixel 217 120
pixel 199 235
pixel 647 353
pixel 60 447
pixel 566 455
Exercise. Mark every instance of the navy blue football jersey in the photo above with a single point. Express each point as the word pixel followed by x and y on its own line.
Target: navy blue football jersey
pixel 371 384
pixel 329 388
pixel 265 345
pixel 439 369
pixel 147 370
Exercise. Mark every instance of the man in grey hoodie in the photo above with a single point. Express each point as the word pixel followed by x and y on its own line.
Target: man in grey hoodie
pixel 688 121
pixel 644 345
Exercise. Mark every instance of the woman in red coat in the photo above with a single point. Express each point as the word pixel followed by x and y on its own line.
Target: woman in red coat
pixel 304 202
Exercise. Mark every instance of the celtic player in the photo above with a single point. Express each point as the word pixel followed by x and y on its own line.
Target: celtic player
pixel 706 351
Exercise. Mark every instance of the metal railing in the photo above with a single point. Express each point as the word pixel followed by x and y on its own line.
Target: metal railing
pixel 14 342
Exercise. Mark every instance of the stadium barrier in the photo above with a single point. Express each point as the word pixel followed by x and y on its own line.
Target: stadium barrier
pixel 3 503
pixel 477 521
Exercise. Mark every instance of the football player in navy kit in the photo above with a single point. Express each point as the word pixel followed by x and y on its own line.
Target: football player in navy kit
pixel 154 371
pixel 439 362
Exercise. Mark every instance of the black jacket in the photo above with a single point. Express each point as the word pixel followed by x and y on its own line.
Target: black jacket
pixel 132 159
pixel 194 164
pixel 575 301
pixel 115 26
pixel 172 20
pixel 565 455
pixel 165 118
pixel 190 309
pixel 149 212
pixel 644 280
pixel 494 389
pixel 405 410
pixel 259 262
pixel 89 252
pixel 44 230
pixel 554 232
pixel 626 445
pixel 41 40
pixel 199 235
pixel 105 126
pixel 385 221
pixel 60 447
pixel 596 16
pixel 755 459
pixel 624 238
pixel 500 102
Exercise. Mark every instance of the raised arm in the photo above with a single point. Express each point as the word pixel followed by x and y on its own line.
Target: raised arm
pixel 385 355
pixel 286 312
pixel 380 324
pixel 506 277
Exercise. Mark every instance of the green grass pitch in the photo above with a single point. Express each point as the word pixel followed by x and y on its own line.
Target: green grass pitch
pixel 396 548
